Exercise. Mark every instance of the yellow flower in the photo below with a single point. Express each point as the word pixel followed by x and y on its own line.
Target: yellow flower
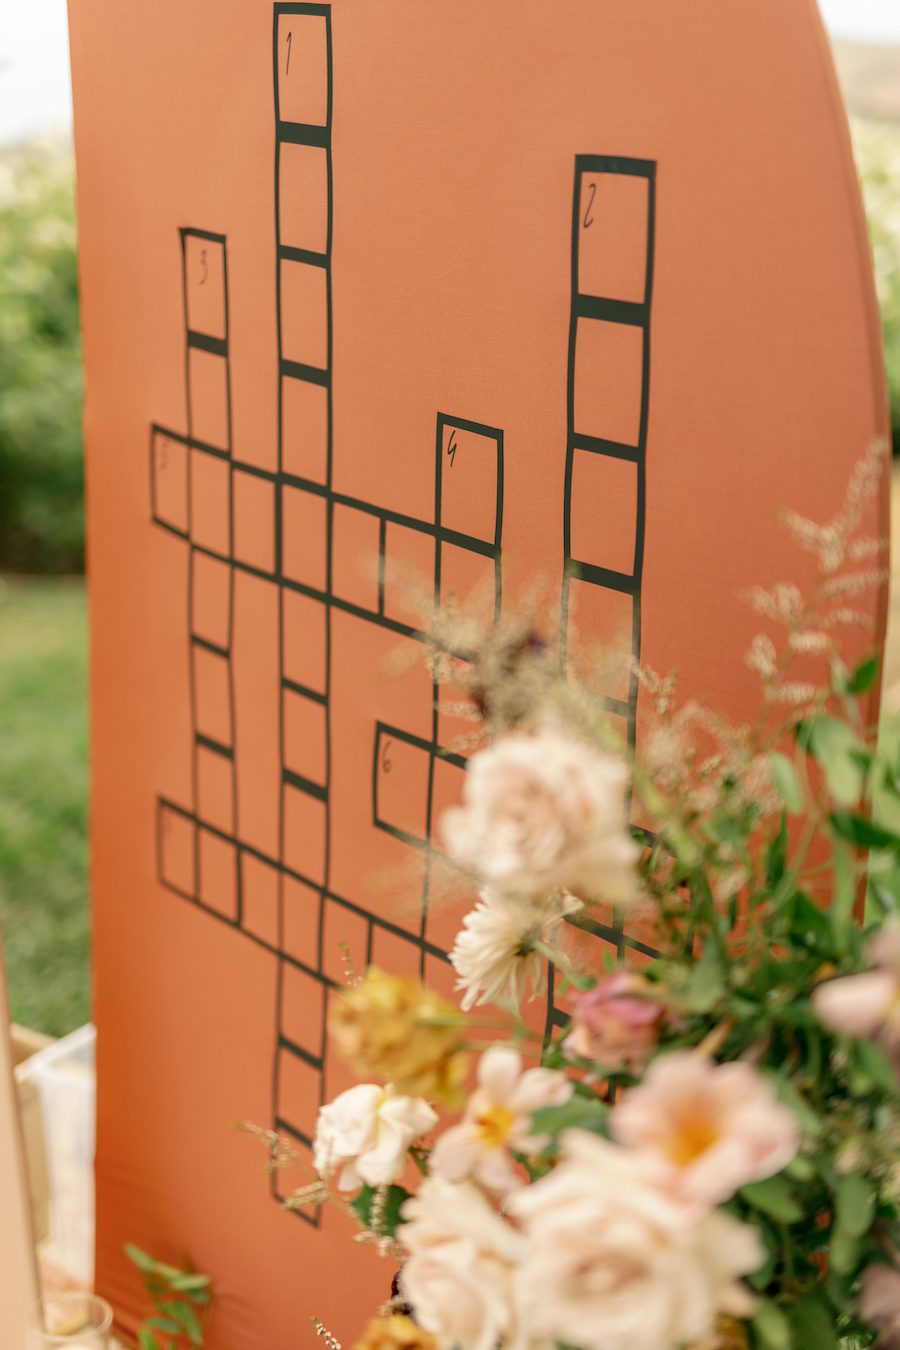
pixel 395 1333
pixel 392 1027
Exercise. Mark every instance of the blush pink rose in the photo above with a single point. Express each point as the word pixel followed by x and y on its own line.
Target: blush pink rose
pixel 868 1005
pixel 879 1304
pixel 615 1024
pixel 710 1128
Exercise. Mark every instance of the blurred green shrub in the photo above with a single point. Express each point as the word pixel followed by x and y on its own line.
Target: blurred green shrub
pixel 877 146
pixel 41 471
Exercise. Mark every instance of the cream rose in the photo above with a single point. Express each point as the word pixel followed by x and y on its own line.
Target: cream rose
pixel 543 813
pixel 613 1263
pixel 365 1133
pixel 458 1277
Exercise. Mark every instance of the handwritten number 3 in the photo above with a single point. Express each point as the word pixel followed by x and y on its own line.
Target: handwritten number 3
pixel 588 218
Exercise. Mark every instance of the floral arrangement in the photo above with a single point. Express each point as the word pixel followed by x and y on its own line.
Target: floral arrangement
pixel 706 1151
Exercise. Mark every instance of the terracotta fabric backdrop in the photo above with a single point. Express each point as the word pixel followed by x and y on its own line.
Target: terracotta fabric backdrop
pixel 488 292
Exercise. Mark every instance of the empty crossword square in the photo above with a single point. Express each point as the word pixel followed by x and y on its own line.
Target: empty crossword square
pixel 470 582
pixel 603 511
pixel 218 874
pixel 169 467
pixel 209 398
pixel 211 502
pixel 302 55
pixel 215 788
pixel 304 833
pixel 301 906
pixel 446 791
pixel 609 380
pixel 304 639
pixel 345 942
pixel 304 429
pixel 304 314
pixel 302 1007
pixel 401 784
pixel 303 187
pixel 298 1088
pixel 355 562
pixel 469 470
pixel 259 898
pixel 177 850
pixel 254 520
pixel 304 730
pixel 213 694
pixel 408 575
pixel 603 661
pixel 204 284
pixel 303 537
pixel 395 953
pixel 210 599
pixel 612 236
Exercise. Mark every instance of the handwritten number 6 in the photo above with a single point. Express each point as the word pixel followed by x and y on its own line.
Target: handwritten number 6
pixel 385 757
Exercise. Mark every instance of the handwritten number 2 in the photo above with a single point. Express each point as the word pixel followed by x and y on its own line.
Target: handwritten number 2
pixel 287 64
pixel 452 448
pixel 588 218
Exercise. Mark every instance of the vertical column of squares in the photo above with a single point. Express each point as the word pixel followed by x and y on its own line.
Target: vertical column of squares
pixel 608 403
pixel 208 377
pixel 305 524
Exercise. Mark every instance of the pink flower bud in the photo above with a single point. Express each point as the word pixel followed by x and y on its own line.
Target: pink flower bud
pixel 615 1023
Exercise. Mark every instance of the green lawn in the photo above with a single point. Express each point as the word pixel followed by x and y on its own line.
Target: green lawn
pixel 43 801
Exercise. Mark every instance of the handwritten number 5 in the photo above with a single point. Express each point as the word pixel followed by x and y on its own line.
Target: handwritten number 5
pixel 588 218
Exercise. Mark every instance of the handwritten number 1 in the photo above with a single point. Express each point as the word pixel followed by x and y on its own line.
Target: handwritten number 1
pixel 588 218
pixel 452 448
pixel 287 66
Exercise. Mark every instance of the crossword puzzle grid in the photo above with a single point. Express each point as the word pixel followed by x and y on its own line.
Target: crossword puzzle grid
pixel 206 496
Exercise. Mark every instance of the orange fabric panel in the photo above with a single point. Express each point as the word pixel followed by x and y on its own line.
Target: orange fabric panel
pixel 458 295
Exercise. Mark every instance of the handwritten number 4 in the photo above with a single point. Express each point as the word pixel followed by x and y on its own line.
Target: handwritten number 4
pixel 452 448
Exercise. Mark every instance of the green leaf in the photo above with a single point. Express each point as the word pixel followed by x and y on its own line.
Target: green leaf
pixel 854 1204
pixel 862 832
pixel 585 1113
pixel 843 1252
pixel 774 1196
pixel 838 750
pixel 139 1258
pixel 771 1326
pixel 776 855
pixel 812 1323
pixel 706 981
pixel 809 926
pixel 186 1283
pixel 787 784
pixel 877 1067
pixel 864 676
pixel 390 1215
pixel 167 1324
pixel 147 1340
pixel 790 1096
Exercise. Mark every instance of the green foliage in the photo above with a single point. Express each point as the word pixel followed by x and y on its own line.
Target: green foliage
pixel 877 147
pixel 43 802
pixel 41 473
pixel 181 1301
